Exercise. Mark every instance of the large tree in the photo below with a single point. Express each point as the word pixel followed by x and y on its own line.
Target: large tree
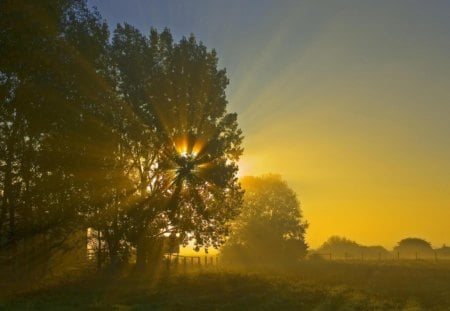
pixel 181 142
pixel 56 127
pixel 270 229
pixel 130 137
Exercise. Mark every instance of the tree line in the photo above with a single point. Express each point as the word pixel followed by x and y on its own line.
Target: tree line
pixel 411 247
pixel 122 132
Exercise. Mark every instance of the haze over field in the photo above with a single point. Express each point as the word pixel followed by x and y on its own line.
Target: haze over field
pixel 224 155
pixel 347 100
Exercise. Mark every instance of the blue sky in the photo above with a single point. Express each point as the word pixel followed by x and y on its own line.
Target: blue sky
pixel 348 100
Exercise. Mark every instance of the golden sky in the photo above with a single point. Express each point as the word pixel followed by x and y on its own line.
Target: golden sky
pixel 348 100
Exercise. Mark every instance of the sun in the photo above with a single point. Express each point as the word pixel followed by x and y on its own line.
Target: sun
pixel 243 168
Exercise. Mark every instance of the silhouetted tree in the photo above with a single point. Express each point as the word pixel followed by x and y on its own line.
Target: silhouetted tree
pixel 443 251
pixel 342 247
pixel 55 123
pixel 130 138
pixel 181 144
pixel 269 230
pixel 412 247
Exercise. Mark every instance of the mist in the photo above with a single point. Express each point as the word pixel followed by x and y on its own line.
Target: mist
pixel 224 155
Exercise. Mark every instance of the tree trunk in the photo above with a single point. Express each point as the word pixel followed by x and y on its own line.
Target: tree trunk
pixel 114 239
pixel 99 250
pixel 141 254
pixel 155 255
pixel 10 207
pixel 6 192
pixel 3 215
pixel 113 250
pixel 114 259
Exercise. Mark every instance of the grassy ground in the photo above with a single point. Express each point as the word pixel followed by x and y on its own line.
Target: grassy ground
pixel 311 286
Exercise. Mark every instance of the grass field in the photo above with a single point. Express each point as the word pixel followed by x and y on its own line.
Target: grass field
pixel 413 285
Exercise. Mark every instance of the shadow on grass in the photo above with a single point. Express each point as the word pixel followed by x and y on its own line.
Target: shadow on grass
pixel 312 286
pixel 202 291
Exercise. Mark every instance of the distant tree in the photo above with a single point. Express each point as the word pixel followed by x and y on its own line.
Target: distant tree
pixel 340 246
pixel 270 229
pixel 443 251
pixel 410 247
pixel 346 248
pixel 376 251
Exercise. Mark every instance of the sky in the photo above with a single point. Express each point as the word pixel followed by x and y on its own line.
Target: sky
pixel 349 101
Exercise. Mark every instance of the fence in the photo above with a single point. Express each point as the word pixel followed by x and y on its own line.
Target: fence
pixel 176 261
pixel 362 256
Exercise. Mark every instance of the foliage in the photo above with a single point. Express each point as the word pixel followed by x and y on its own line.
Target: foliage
pixel 182 150
pixel 414 242
pixel 444 251
pixel 339 244
pixel 53 116
pixel 414 246
pixel 128 137
pixel 269 230
pixel 341 247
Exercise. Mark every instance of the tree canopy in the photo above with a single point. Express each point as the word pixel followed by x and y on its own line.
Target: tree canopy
pixel 270 229
pixel 342 247
pixel 410 247
pixel 129 137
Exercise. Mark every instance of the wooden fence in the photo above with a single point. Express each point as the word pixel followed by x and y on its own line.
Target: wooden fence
pixel 181 261
pixel 362 256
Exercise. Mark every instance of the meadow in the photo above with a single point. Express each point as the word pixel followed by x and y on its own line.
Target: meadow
pixel 312 285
